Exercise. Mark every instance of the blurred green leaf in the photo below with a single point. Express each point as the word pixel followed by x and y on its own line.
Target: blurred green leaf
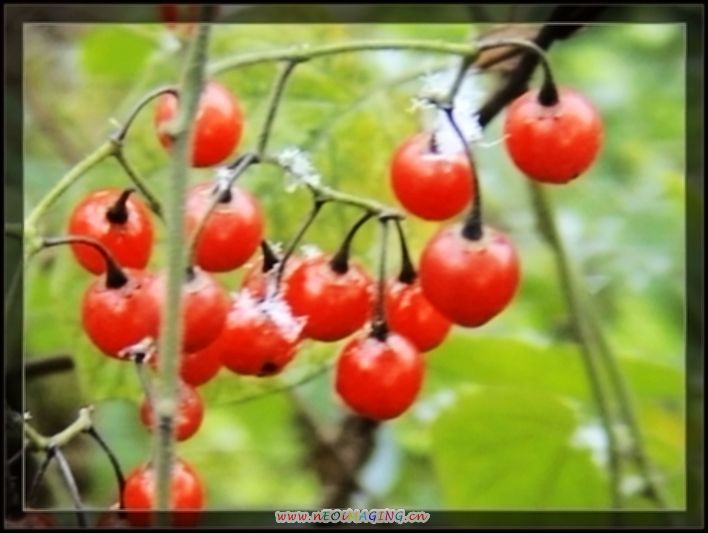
pixel 114 52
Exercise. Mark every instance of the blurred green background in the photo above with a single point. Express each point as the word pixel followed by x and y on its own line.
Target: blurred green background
pixel 506 419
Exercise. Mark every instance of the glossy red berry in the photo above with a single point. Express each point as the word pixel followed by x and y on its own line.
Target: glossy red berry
pixel 233 231
pixel 469 281
pixel 379 379
pixel 116 318
pixel 260 336
pixel 334 304
pixel 190 413
pixel 119 221
pixel 198 368
pixel 218 125
pixel 411 315
pixel 204 308
pixel 556 143
pixel 186 494
pixel 430 184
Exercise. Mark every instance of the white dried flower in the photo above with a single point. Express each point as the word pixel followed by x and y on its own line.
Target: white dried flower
pixel 300 168
pixel 310 250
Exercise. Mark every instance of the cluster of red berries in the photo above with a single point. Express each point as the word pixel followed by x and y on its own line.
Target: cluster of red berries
pixel 468 272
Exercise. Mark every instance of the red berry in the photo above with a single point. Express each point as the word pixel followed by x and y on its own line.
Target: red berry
pixel 334 304
pixel 429 184
pixel 190 413
pixel 117 318
pixel 469 281
pixel 218 125
pixel 411 315
pixel 379 379
pixel 198 368
pixel 232 232
pixel 117 220
pixel 186 494
pixel 204 308
pixel 255 280
pixel 259 338
pixel 553 144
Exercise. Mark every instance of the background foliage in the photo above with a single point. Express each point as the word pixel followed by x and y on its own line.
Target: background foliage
pixel 505 419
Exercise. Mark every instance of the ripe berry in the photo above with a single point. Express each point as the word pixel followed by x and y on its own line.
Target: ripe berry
pixel 233 230
pixel 553 143
pixel 379 379
pixel 469 281
pixel 190 413
pixel 255 280
pixel 204 308
pixel 259 338
pixel 428 183
pixel 198 368
pixel 411 315
pixel 117 220
pixel 335 299
pixel 186 494
pixel 218 125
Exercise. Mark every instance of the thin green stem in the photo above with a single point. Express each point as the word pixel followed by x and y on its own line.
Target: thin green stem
pixel 170 340
pixel 273 104
pixel 309 219
pixel 305 53
pixel 153 203
pixel 379 327
pixel 549 231
pixel 120 479
pixel 145 100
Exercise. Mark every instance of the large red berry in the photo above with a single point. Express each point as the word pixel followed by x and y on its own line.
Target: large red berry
pixel 260 336
pixel 428 183
pixel 190 413
pixel 469 281
pixel 218 125
pixel 204 308
pixel 186 494
pixel 117 220
pixel 379 379
pixel 116 318
pixel 410 314
pixel 556 143
pixel 334 304
pixel 233 230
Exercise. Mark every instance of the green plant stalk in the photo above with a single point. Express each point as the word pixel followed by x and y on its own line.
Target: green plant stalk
pixel 588 349
pixel 39 442
pixel 171 332
pixel 305 53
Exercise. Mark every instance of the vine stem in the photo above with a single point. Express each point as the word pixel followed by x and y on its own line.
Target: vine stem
pixel 153 203
pixel 305 53
pixel 379 327
pixel 306 223
pixel 549 231
pixel 170 340
pixel 70 483
pixel 274 102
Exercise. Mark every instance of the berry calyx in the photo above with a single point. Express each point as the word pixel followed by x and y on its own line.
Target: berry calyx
pixel 190 413
pixel 379 379
pixel 119 221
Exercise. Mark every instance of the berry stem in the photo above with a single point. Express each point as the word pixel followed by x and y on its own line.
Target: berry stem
pixel 273 103
pixel 408 274
pixel 118 212
pixel 340 261
pixel 115 277
pixel 270 259
pixel 70 482
pixel 309 219
pixel 120 135
pixel 379 327
pixel 120 478
pixel 153 203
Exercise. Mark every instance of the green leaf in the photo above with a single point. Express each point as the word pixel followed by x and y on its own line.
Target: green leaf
pixel 114 52
pixel 507 448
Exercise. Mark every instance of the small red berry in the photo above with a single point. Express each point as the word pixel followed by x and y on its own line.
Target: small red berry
pixel 117 220
pixel 556 143
pixel 411 315
pixel 379 379
pixel 190 413
pixel 255 280
pixel 430 184
pixel 233 231
pixel 218 125
pixel 198 368
pixel 469 281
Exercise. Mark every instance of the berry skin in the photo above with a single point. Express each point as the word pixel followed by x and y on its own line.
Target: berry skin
pixel 117 318
pixel 190 413
pixel 334 304
pixel 432 186
pixel 232 232
pixel 198 368
pixel 411 315
pixel 469 281
pixel 218 125
pixel 126 231
pixel 379 379
pixel 553 144
pixel 259 338
pixel 204 308
pixel 187 493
